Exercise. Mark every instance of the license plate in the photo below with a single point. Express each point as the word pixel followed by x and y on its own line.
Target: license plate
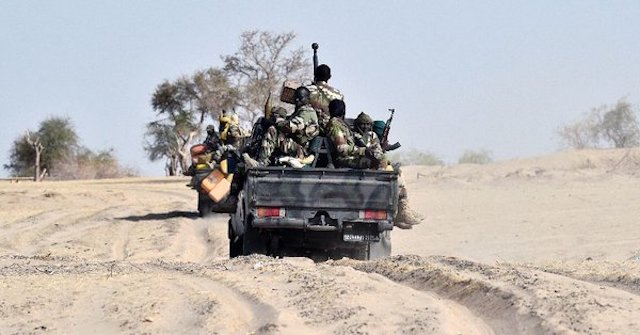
pixel 359 238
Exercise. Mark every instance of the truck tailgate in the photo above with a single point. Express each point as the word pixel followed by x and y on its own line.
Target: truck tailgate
pixel 326 188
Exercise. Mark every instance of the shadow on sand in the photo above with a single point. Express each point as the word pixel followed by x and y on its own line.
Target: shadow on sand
pixel 161 216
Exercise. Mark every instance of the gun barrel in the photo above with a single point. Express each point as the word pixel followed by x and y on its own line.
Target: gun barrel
pixel 314 46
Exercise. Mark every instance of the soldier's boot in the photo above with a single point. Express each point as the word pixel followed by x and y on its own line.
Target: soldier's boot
pixel 406 217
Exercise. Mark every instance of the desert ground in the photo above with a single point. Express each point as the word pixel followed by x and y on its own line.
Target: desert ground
pixel 543 245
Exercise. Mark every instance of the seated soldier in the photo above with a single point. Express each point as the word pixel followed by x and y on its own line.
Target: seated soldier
pixel 365 153
pixel 365 137
pixel 260 127
pixel 322 94
pixel 291 135
pixel 347 154
pixel 274 143
pixel 213 150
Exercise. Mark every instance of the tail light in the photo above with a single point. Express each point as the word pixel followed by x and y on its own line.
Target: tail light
pixel 270 212
pixel 370 214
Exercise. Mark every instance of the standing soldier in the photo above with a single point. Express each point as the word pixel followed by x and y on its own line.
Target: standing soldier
pixel 322 94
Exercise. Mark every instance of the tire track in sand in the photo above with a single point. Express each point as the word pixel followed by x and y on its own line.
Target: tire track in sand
pixel 514 300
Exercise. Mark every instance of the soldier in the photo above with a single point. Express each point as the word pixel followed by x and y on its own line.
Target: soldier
pixel 322 94
pixel 363 151
pixel 302 125
pixel 213 143
pixel 365 137
pixel 260 127
pixel 274 142
pixel 290 136
pixel 229 128
pixel 212 153
pixel 348 154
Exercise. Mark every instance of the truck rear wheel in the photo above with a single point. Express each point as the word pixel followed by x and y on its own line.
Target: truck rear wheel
pixel 235 243
pixel 252 241
pixel 205 206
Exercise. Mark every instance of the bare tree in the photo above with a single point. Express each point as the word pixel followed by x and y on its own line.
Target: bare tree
pixel 260 66
pixel 605 125
pixel 584 133
pixel 183 106
pixel 38 148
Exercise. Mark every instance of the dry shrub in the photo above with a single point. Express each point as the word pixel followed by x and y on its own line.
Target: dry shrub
pixel 416 157
pixel 476 157
pixel 605 126
pixel 87 164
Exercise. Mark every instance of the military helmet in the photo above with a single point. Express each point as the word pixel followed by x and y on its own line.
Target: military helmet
pixel 363 118
pixel 211 128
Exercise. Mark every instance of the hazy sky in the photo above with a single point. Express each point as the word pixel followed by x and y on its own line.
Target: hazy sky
pixel 494 75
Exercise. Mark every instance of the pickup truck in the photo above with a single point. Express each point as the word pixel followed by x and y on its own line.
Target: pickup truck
pixel 315 212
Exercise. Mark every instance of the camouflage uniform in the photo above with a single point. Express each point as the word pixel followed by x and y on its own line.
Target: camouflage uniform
pixel 321 95
pixel 301 126
pixel 229 129
pixel 370 141
pixel 291 136
pixel 278 143
pixel 406 217
pixel 260 128
pixel 273 142
pixel 348 154
pixel 232 135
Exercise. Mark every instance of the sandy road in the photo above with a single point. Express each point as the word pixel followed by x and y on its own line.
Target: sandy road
pixel 131 256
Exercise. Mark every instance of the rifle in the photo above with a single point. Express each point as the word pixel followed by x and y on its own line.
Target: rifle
pixel 384 141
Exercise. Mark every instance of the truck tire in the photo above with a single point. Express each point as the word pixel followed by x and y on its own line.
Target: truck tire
pixel 252 241
pixel 205 206
pixel 235 243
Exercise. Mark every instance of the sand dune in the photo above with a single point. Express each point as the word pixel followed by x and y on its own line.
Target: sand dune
pixel 533 246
